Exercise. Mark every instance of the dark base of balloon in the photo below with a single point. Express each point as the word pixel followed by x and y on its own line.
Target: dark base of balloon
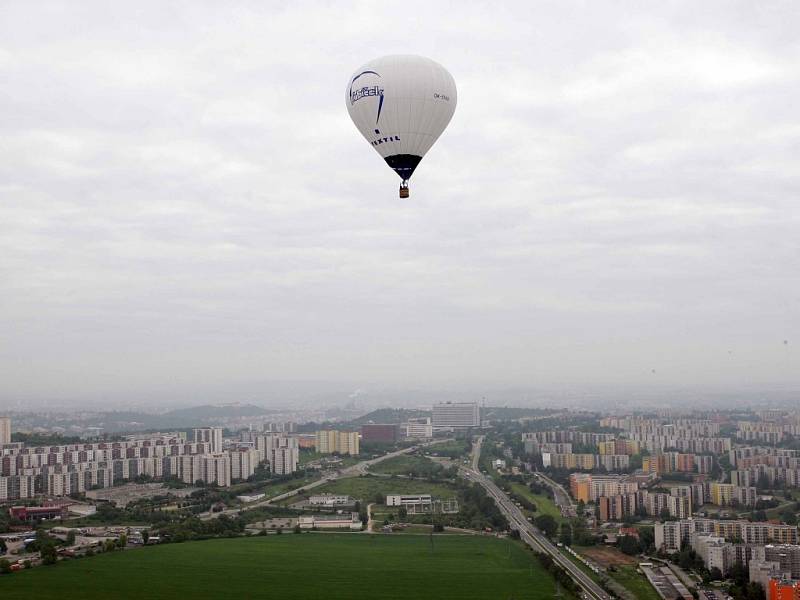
pixel 403 164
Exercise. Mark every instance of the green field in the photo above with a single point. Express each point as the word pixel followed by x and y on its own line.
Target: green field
pixel 635 582
pixel 403 465
pixel 366 488
pixel 450 447
pixel 331 566
pixel 544 505
pixel 275 489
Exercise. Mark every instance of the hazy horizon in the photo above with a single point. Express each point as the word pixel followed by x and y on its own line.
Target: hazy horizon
pixel 188 213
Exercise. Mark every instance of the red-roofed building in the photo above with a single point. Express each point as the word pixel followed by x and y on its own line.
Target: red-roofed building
pixel 36 513
pixel 781 589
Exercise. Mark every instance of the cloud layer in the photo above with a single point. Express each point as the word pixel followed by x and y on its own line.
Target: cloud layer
pixel 183 200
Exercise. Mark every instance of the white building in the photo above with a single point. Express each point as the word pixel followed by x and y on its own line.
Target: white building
pixel 418 428
pixel 330 500
pixel 284 455
pixel 342 521
pixel 407 499
pixel 761 571
pixel 456 415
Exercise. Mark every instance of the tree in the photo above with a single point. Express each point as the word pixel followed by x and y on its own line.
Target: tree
pixel 49 554
pixel 629 545
pixel 71 537
pixel 547 524
pixel 5 566
pixel 3 547
pixel 566 534
pixel 122 541
pixel 145 536
pixel 402 513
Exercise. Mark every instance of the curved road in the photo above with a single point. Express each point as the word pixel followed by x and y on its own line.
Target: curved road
pixel 529 534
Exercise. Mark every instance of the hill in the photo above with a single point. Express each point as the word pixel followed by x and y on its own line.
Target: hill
pixel 388 415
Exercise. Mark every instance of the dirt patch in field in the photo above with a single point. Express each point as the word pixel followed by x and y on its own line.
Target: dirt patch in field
pixel 607 557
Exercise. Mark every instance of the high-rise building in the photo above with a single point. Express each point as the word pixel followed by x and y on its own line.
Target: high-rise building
pixel 243 462
pixel 216 469
pixel 456 415
pixel 580 485
pixel 5 431
pixel 284 455
pixel 331 441
pixel 210 435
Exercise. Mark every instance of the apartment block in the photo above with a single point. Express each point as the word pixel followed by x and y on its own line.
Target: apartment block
pixel 332 441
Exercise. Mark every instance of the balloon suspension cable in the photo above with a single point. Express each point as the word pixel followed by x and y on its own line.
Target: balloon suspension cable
pixel 404 189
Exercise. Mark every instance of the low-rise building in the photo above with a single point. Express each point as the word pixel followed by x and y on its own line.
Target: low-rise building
pixel 330 500
pixel 378 432
pixel 418 428
pixel 337 521
pixel 408 499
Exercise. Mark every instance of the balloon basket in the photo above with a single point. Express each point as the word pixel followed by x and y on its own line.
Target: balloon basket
pixel 403 191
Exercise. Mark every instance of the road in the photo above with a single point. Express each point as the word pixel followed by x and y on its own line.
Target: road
pixel 529 534
pixel 351 471
pixel 562 499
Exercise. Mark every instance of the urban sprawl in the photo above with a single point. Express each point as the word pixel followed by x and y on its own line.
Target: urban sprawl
pixel 694 504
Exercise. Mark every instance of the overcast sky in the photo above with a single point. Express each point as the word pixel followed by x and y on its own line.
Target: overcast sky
pixel 184 201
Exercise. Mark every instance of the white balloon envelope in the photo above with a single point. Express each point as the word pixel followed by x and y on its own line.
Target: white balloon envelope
pixel 401 105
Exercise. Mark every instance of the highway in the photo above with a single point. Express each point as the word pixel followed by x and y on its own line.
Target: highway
pixel 529 534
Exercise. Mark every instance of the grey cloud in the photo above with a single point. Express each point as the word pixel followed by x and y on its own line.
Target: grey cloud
pixel 184 200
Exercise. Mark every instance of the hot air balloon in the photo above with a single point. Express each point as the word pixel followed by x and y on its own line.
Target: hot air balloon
pixel 401 105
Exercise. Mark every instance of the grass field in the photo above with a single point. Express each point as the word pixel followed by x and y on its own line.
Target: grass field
pixel 402 465
pixel 366 488
pixel 331 566
pixel 449 447
pixel 626 576
pixel 275 489
pixel 635 582
pixel 544 505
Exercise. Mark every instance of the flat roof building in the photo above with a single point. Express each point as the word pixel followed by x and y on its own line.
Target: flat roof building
pixel 378 432
pixel 456 415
